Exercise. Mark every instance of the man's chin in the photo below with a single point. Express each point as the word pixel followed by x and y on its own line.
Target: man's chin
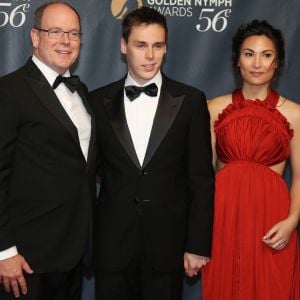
pixel 149 75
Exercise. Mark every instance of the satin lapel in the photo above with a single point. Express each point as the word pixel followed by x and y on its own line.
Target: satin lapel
pixel 83 95
pixel 47 97
pixel 167 109
pixel 116 113
pixel 92 143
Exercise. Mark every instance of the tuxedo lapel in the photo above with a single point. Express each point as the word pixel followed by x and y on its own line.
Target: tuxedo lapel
pixel 47 97
pixel 167 109
pixel 83 95
pixel 114 107
pixel 92 142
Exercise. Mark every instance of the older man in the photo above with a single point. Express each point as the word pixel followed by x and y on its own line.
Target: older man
pixel 46 164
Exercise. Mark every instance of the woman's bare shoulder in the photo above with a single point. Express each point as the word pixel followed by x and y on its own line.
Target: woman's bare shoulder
pixel 291 110
pixel 217 104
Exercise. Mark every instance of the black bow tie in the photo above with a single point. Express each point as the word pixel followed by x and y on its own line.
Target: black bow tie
pixel 132 91
pixel 71 82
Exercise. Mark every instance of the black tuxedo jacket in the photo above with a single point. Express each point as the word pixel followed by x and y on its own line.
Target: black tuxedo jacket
pixel 46 185
pixel 170 197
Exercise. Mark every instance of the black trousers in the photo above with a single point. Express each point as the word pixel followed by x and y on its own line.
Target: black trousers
pixel 50 286
pixel 139 280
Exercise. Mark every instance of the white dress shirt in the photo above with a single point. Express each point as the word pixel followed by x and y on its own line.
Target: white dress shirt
pixel 140 115
pixel 72 103
pixel 75 109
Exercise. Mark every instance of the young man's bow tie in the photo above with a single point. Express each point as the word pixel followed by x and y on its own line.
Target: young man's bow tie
pixel 132 91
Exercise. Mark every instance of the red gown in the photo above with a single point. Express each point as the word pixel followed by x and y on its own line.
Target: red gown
pixel 250 198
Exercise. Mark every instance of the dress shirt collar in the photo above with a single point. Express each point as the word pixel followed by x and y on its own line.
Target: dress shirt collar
pixel 49 73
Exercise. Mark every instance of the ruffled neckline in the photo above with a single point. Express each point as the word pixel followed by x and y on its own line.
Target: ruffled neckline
pixel 269 103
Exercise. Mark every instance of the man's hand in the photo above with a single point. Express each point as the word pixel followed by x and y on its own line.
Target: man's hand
pixel 11 274
pixel 193 263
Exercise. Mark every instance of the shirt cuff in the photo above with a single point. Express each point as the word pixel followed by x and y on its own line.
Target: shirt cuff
pixel 8 253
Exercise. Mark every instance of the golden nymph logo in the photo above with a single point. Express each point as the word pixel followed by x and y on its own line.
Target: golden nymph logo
pixel 119 8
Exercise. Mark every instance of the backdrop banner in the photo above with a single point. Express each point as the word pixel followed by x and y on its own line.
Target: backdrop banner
pixel 199 44
pixel 199 41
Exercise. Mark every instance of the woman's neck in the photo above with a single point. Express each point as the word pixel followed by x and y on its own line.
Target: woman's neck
pixel 252 92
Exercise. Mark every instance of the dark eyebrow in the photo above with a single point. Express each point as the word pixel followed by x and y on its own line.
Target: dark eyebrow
pixel 251 50
pixel 139 42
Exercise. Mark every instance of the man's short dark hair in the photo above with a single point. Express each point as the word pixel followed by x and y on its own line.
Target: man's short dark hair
pixel 143 15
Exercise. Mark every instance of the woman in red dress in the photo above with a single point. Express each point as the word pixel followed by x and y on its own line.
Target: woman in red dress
pixel 255 253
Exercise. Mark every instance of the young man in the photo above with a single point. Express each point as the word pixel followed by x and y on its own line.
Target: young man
pixel 46 165
pixel 156 199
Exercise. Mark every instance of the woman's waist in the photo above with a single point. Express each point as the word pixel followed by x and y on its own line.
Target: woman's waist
pixel 277 168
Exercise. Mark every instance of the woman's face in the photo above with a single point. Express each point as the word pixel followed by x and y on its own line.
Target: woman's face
pixel 258 60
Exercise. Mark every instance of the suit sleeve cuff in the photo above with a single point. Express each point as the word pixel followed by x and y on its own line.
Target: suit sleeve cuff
pixel 10 252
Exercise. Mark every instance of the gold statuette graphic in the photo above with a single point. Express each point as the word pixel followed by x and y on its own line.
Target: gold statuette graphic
pixel 119 8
